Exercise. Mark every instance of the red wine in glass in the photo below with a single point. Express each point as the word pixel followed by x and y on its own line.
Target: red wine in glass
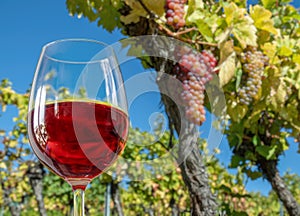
pixel 78 140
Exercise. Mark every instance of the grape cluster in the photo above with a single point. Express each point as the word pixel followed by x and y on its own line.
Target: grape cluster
pixel 175 13
pixel 194 70
pixel 254 62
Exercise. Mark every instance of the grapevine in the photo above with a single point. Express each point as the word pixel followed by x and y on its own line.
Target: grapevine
pixel 175 13
pixel 194 70
pixel 254 62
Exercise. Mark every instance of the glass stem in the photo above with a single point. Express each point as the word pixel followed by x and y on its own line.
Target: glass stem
pixel 78 202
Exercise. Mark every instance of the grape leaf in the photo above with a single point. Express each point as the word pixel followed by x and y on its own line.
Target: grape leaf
pixel 268 3
pixel 296 58
pixel 266 151
pixel 199 18
pixel 227 69
pixel 223 36
pixel 286 46
pixel 253 175
pixel 110 19
pixel 155 6
pixel 193 6
pixel 135 14
pixel 236 161
pixel 281 92
pixel 227 64
pixel 241 25
pixel 237 112
pixel 245 33
pixel 262 19
pixel 270 50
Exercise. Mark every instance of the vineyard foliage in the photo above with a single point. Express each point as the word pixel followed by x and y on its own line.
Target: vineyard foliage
pixel 157 193
pixel 237 33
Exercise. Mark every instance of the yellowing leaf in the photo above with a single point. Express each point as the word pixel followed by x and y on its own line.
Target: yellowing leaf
pixel 241 25
pixel 245 33
pixel 155 6
pixel 135 14
pixel 281 92
pixel 226 50
pixel 13 143
pixel 193 6
pixel 270 50
pixel 223 36
pixel 2 165
pixel 286 46
pixel 262 19
pixel 227 69
pixel 230 12
pixel 285 51
pixel 296 58
pixel 23 167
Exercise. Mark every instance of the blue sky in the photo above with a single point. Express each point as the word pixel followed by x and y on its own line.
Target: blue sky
pixel 25 26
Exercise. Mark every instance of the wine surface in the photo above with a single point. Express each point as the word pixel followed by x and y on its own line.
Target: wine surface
pixel 77 139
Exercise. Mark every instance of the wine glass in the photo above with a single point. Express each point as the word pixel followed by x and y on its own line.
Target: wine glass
pixel 77 118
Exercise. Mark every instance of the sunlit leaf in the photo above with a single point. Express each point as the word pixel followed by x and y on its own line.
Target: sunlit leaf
pixel 262 19
pixel 268 3
pixel 241 25
pixel 227 69
pixel 266 151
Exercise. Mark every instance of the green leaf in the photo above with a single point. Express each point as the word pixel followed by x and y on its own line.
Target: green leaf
pixel 262 19
pixel 236 161
pixel 109 19
pixel 256 140
pixel 239 74
pixel 253 174
pixel 267 152
pixel 268 3
pixel 199 18
pixel 237 111
pixel 193 6
pixel 225 188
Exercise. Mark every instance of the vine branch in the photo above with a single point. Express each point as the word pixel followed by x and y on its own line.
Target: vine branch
pixel 186 40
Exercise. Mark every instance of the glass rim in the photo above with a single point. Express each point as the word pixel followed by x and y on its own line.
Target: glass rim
pixel 52 43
